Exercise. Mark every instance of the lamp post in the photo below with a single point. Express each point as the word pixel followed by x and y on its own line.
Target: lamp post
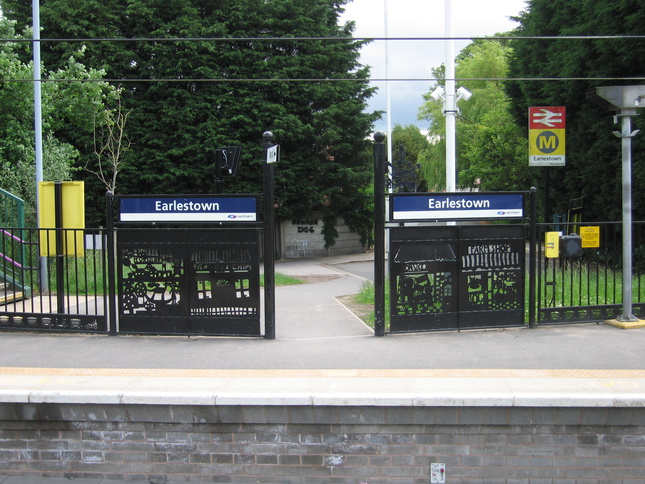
pixel 450 103
pixel 450 111
pixel 627 99
pixel 450 96
pixel 38 128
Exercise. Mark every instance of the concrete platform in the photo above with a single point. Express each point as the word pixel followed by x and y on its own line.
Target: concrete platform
pixel 400 388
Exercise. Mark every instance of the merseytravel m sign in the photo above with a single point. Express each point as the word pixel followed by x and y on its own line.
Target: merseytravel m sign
pixel 547 126
pixel 456 206
pixel 187 209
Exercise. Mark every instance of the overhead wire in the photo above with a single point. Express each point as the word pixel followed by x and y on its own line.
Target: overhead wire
pixel 312 80
pixel 343 39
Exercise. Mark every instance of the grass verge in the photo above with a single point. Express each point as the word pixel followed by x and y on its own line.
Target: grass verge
pixel 283 280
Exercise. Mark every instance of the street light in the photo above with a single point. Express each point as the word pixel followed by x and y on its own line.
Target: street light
pixel 627 99
pixel 463 93
pixel 450 110
pixel 450 99
pixel 437 94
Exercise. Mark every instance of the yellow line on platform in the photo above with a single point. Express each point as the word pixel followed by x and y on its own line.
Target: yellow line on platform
pixel 313 373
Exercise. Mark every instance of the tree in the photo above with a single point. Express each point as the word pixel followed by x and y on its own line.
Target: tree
pixel 412 139
pixel 110 145
pixel 593 153
pixel 415 146
pixel 193 96
pixel 64 104
pixel 491 148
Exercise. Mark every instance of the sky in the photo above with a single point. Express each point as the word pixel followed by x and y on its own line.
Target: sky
pixel 415 59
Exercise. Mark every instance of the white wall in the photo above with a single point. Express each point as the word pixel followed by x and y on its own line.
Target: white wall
pixel 302 238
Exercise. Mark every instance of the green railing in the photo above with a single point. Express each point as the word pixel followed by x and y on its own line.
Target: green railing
pixel 12 213
pixel 12 244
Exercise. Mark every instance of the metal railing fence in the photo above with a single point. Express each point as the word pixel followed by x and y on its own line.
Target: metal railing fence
pixel 589 288
pixel 568 290
pixel 77 289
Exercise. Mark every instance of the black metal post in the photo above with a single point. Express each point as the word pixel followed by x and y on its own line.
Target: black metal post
pixel 269 240
pixel 532 256
pixel 379 234
pixel 60 249
pixel 111 263
pixel 218 172
pixel 547 189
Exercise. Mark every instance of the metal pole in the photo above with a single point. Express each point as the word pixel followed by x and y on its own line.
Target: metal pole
pixel 450 104
pixel 388 97
pixel 532 256
pixel 111 263
pixel 38 128
pixel 269 241
pixel 379 234
pixel 626 142
pixel 60 247
pixel 628 99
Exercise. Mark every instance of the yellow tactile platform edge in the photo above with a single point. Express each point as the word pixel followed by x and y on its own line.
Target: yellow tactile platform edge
pixel 313 373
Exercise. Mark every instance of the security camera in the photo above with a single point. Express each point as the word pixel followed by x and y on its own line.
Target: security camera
pixel 437 94
pixel 463 93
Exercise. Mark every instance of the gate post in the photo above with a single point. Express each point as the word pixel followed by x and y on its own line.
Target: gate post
pixel 269 241
pixel 60 250
pixel 532 257
pixel 379 234
pixel 111 256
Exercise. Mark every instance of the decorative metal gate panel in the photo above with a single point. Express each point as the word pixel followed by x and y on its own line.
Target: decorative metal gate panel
pixel 456 277
pixel 189 281
pixel 491 276
pixel 423 279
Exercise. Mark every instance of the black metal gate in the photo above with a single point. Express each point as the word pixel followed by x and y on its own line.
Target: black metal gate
pixel 456 277
pixel 189 281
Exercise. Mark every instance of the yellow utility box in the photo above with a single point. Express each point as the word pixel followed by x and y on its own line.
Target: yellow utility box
pixel 552 245
pixel 73 218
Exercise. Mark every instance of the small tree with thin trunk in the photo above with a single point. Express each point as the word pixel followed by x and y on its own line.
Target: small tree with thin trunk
pixel 110 145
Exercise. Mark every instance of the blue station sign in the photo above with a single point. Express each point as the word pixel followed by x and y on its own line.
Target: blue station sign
pixel 188 209
pixel 456 206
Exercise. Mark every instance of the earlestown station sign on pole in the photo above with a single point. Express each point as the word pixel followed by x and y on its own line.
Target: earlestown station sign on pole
pixel 456 206
pixel 547 127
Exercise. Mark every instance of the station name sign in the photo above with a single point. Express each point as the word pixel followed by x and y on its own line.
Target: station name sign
pixel 456 206
pixel 188 209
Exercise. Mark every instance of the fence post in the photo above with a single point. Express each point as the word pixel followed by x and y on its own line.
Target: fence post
pixel 532 256
pixel 60 249
pixel 111 263
pixel 379 234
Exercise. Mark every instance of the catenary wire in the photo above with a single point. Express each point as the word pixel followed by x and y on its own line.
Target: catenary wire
pixel 339 39
pixel 346 39
pixel 278 79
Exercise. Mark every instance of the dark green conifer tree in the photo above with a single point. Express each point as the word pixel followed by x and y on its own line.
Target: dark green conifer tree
pixel 192 90
pixel 593 153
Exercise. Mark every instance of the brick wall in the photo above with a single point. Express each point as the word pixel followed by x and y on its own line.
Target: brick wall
pixel 322 444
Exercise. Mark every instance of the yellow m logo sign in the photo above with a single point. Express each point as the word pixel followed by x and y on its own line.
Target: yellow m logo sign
pixel 547 142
